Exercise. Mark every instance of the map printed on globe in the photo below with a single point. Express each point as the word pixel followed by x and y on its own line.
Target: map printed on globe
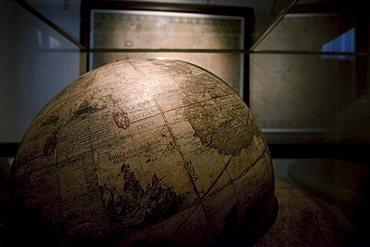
pixel 143 152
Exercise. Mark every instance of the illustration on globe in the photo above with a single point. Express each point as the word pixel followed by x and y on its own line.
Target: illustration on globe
pixel 147 152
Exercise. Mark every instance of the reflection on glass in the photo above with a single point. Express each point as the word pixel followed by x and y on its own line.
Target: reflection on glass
pixel 343 43
pixel 309 32
pixel 300 93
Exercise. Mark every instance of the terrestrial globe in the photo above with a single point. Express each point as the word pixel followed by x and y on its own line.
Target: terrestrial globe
pixel 143 152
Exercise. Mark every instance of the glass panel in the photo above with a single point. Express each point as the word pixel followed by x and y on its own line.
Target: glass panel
pixel 312 32
pixel 37 62
pixel 63 13
pixel 310 92
pixel 302 78
pixel 296 95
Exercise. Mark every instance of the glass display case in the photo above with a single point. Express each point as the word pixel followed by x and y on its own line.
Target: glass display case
pixel 313 105
pixel 302 67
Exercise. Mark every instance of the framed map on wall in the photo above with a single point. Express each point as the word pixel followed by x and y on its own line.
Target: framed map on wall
pixel 214 42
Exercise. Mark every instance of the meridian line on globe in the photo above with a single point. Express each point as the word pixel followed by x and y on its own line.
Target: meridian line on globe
pixel 29 160
pixel 217 178
pixel 186 166
pixel 244 172
pixel 178 148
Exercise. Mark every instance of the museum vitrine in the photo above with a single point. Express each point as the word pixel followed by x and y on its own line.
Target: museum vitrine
pixel 301 67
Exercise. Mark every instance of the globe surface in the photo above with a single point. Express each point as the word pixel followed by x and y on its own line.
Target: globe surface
pixel 143 152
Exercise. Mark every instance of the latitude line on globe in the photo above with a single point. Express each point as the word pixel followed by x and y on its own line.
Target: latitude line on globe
pixel 180 107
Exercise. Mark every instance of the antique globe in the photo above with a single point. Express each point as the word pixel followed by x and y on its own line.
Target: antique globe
pixel 143 152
